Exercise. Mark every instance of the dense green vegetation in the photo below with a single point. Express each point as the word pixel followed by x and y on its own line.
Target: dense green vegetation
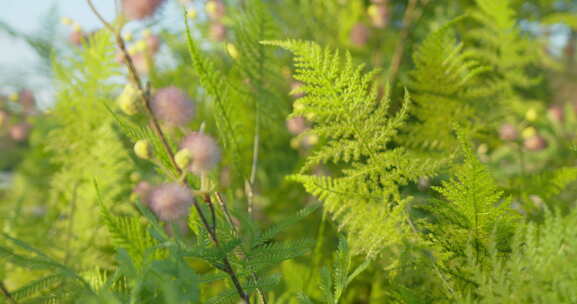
pixel 297 151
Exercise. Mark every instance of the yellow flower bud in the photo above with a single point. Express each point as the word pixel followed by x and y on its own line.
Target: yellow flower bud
pixel 298 106
pixel 128 37
pixel 143 149
pixel 311 139
pixel 140 46
pixel 528 132
pixel 211 7
pixel 128 100
pixel 232 50
pixel 13 97
pixel 531 114
pixel 183 158
pixel 146 33
pixel 373 11
pixel 295 143
pixel 66 21
pixel 191 13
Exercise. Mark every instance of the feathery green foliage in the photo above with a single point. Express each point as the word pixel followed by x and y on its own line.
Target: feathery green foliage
pixel 356 128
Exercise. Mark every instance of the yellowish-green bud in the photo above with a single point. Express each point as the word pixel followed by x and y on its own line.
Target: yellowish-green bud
pixel 531 114
pixel 232 50
pixel 128 37
pixel 13 97
pixel 128 100
pixel 298 106
pixel 146 33
pixel 373 11
pixel 191 13
pixel 183 159
pixel 140 46
pixel 66 21
pixel 211 7
pixel 143 149
pixel 529 132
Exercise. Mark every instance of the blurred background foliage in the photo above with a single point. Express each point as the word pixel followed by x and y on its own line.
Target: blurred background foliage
pixel 502 71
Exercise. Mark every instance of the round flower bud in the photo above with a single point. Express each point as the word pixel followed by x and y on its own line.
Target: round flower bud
pixel 217 31
pixel 66 21
pixel 296 125
pixel 359 35
pixel 191 13
pixel 204 151
pixel 528 132
pixel 508 132
pixel 13 97
pixel 76 37
pixel 310 140
pixel 142 190
pixel 19 132
pixel 127 36
pixel 140 9
pixel 556 113
pixel 128 100
pixel 232 50
pixel 215 9
pixel 143 149
pixel 183 158
pixel 172 106
pixel 171 201
pixel 535 143
pixel 379 14
pixel 531 114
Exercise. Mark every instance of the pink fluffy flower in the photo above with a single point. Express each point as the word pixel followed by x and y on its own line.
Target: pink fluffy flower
pixel 535 143
pixel 508 132
pixel 297 125
pixel 359 35
pixel 557 113
pixel 76 37
pixel 140 9
pixel 217 31
pixel 171 201
pixel 172 106
pixel 19 132
pixel 143 190
pixel 204 151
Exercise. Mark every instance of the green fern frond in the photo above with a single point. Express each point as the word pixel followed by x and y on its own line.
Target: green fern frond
pixel 472 214
pixel 441 84
pixel 356 128
pixel 502 46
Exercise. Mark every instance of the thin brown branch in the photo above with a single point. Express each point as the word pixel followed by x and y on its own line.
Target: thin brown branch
pixel 145 97
pixel 6 294
pixel 144 92
pixel 411 14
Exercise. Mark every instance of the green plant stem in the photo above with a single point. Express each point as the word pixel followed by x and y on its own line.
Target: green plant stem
pixel 317 252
